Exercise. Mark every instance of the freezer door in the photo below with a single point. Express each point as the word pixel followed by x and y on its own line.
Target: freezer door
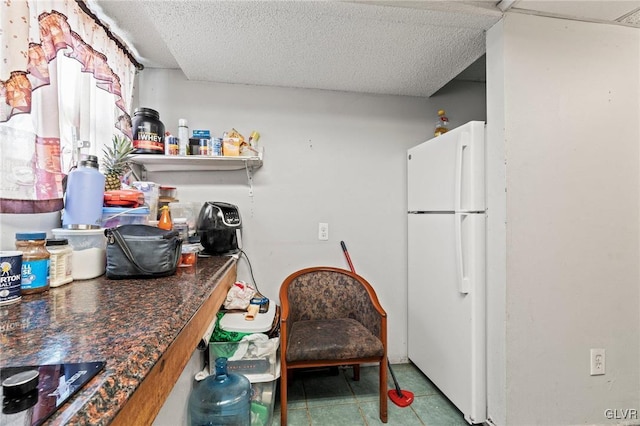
pixel 446 306
pixel 446 173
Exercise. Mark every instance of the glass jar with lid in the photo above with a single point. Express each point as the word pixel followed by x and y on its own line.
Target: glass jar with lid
pixel 35 262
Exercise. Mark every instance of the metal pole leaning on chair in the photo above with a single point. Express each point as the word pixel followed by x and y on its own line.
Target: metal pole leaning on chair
pixel 402 398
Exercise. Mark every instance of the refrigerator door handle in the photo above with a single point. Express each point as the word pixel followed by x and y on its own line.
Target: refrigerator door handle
pixel 463 142
pixel 463 280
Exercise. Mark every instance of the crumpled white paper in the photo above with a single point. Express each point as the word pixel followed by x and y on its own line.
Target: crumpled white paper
pixel 239 296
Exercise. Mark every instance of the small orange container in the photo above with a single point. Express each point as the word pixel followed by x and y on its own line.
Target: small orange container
pixel 189 255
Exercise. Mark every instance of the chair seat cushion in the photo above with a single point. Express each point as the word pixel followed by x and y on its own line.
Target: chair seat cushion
pixel 331 339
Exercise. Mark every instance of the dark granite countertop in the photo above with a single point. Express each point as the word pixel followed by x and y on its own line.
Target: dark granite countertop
pixel 127 323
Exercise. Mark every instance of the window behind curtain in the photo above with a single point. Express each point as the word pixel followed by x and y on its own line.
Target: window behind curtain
pixel 61 75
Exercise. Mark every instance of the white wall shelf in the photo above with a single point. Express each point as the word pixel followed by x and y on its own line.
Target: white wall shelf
pixel 189 163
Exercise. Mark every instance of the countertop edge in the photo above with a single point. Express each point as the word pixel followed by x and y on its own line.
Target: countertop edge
pixel 146 401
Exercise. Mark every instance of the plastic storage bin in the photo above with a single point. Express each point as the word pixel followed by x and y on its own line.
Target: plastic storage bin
pixel 116 216
pixel 235 321
pixel 263 397
pixel 254 357
pixel 89 257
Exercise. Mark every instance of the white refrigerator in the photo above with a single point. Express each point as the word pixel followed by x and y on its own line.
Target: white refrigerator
pixel 446 265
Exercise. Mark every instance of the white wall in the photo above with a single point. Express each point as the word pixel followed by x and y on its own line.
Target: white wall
pixel 496 229
pixel 566 96
pixel 330 157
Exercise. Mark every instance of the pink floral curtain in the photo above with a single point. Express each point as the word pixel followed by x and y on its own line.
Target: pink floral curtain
pixel 61 76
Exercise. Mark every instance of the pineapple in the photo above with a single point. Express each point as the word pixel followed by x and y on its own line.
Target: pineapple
pixel 115 162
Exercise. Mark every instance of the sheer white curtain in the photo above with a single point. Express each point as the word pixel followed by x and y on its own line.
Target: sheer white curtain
pixel 61 75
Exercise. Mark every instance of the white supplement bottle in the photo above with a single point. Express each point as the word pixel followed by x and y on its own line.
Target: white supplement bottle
pixel 183 136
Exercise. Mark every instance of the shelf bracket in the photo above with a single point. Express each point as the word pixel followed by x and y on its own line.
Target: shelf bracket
pixel 143 172
pixel 249 177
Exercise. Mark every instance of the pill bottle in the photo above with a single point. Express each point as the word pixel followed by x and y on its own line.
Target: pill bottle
pixel 148 132
pixel 204 147
pixel 216 149
pixel 35 262
pixel 171 145
pixel 60 253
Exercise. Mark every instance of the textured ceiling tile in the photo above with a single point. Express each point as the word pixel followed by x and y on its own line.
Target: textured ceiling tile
pixel 404 47
pixel 321 45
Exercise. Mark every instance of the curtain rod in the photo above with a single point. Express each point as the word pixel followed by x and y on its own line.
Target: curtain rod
pixel 115 39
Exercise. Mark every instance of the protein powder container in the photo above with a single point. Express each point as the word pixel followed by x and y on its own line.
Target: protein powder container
pixel 148 132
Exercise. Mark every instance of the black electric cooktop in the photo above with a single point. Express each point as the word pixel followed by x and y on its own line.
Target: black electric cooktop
pixel 56 384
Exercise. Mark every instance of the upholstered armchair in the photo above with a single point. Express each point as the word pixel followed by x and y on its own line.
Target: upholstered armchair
pixel 331 317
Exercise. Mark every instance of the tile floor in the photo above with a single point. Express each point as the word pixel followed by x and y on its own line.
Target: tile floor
pixel 324 398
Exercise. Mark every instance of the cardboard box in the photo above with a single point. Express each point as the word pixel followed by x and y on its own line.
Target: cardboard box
pixel 231 147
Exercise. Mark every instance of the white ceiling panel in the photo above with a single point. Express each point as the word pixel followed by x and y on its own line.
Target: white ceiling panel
pixel 605 10
pixel 387 47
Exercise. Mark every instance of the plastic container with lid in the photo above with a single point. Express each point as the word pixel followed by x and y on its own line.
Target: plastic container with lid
pixel 11 261
pixel 148 132
pixel 89 257
pixel 117 216
pixel 35 262
pixel 151 194
pixel 59 262
pixel 221 399
pixel 180 225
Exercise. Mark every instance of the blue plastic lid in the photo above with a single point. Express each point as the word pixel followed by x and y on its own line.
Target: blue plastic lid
pixel 26 236
pixel 125 210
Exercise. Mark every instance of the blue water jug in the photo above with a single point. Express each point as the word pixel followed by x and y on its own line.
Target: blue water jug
pixel 85 196
pixel 221 399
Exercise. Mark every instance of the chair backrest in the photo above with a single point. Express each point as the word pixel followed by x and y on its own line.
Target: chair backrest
pixel 327 293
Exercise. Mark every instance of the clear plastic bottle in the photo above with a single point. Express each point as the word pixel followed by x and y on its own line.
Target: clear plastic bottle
pixel 221 399
pixel 442 126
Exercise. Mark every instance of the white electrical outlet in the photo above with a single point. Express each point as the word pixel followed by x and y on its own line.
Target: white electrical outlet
pixel 597 362
pixel 323 231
